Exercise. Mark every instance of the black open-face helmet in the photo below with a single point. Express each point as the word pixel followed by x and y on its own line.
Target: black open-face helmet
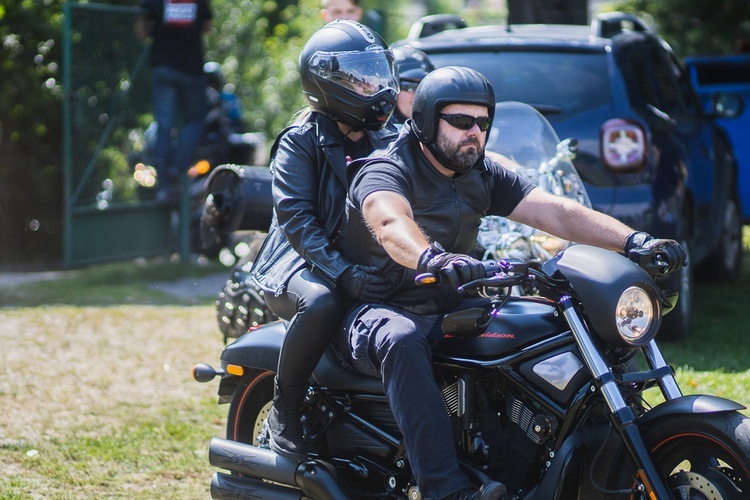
pixel 348 73
pixel 448 85
pixel 441 87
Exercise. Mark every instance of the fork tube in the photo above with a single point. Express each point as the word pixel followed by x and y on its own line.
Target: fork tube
pixel 593 359
pixel 622 416
pixel 667 383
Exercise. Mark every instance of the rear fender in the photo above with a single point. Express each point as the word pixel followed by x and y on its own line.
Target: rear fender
pixel 258 348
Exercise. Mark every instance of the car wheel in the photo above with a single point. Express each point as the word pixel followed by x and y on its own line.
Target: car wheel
pixel 678 324
pixel 725 261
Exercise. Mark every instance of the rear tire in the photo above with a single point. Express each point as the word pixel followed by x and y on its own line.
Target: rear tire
pixel 702 456
pixel 250 406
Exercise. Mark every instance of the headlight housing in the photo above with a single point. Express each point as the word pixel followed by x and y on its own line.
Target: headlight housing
pixel 637 316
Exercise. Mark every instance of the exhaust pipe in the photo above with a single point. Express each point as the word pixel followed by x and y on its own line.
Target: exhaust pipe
pixel 230 487
pixel 316 479
pixel 252 461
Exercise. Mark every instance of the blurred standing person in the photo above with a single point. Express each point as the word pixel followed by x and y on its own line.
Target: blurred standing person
pixel 413 65
pixel 178 82
pixel 221 96
pixel 340 9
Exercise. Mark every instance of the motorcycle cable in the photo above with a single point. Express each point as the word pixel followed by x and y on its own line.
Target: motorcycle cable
pixel 595 460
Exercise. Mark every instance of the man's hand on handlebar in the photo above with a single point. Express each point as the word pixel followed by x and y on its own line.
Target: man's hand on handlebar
pixel 458 269
pixel 670 254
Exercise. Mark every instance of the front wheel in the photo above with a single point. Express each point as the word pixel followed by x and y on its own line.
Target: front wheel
pixel 701 456
pixel 250 407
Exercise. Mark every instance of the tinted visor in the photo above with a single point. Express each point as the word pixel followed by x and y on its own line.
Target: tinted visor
pixel 363 72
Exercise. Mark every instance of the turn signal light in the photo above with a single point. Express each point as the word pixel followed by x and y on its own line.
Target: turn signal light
pixel 235 370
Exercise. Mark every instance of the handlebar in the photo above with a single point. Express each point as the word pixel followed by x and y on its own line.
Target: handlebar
pixel 498 273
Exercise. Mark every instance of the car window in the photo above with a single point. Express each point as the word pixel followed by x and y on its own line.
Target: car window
pixel 666 73
pixel 635 68
pixel 723 72
pixel 566 83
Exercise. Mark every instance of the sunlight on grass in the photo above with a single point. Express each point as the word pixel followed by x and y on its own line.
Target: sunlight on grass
pixel 109 284
pixel 98 400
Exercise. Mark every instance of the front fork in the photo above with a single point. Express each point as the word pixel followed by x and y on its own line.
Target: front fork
pixel 621 414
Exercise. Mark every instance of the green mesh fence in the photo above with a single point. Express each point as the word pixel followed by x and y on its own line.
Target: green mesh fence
pixel 107 110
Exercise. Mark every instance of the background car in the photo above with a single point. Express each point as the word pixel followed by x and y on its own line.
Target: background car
pixel 712 77
pixel 647 152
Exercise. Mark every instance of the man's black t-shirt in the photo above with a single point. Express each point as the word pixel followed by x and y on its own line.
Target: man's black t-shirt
pixel 448 209
pixel 177 33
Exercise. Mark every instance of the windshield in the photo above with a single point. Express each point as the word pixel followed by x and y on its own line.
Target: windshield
pixel 522 140
pixel 558 82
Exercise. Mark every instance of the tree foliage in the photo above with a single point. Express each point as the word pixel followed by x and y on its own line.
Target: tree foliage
pixel 695 27
pixel 258 43
pixel 30 128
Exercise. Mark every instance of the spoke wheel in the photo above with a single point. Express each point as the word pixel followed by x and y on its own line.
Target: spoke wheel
pixel 249 408
pixel 702 457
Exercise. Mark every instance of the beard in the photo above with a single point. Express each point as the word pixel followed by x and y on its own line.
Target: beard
pixel 462 155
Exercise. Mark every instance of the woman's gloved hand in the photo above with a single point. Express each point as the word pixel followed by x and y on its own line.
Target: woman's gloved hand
pixel 362 283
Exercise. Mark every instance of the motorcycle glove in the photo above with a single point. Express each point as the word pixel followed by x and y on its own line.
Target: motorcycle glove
pixel 458 269
pixel 362 283
pixel 670 251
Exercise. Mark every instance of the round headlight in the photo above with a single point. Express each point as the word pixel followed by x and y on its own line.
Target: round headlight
pixel 636 315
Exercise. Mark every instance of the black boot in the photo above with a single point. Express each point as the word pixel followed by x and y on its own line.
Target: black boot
pixel 489 491
pixel 284 425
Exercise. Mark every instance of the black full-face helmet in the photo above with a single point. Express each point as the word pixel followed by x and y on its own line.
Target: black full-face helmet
pixel 348 73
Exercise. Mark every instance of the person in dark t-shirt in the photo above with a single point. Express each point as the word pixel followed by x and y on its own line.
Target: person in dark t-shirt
pixel 416 208
pixel 178 82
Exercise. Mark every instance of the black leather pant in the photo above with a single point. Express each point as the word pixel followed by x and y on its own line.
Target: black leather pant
pixel 315 312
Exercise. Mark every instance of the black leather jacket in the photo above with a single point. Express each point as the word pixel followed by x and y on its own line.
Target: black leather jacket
pixel 309 194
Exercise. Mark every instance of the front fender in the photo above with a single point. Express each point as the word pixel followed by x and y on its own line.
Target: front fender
pixel 697 403
pixel 257 348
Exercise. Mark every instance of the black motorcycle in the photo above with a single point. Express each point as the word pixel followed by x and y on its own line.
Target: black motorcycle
pixel 561 394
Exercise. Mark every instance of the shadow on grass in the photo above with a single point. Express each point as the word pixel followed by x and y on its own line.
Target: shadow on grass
pixel 157 282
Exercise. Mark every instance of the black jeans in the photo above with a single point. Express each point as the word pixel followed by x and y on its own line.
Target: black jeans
pixel 396 345
pixel 315 312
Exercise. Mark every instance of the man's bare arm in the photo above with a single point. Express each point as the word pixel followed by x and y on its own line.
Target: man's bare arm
pixel 570 220
pixel 391 220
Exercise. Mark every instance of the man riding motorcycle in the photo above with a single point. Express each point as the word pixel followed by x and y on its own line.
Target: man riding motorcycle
pixel 416 207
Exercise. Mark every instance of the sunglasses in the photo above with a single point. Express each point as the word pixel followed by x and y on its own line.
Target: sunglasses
pixel 466 122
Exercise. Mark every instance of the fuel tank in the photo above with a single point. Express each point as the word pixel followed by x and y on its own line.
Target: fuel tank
pixel 520 322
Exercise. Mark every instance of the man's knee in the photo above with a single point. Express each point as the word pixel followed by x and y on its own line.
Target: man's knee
pixel 405 339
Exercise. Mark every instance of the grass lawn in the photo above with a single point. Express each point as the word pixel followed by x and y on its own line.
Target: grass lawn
pixel 98 401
